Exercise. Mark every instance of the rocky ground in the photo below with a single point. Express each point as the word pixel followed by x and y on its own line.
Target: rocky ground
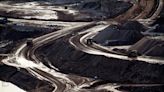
pixel 21 79
pixel 107 69
pixel 11 36
pixel 110 69
pixel 64 56
pixel 127 33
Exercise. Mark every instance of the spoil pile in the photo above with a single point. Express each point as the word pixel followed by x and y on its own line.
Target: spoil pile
pixel 126 34
pixel 150 46
pixel 69 60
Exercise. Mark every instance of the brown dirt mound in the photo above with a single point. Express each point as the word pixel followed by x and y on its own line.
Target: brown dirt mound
pixel 151 46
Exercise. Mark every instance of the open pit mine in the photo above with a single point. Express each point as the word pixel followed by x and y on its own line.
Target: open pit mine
pixel 81 46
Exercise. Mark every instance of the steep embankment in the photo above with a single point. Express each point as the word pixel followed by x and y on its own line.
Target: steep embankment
pixel 140 10
pixel 70 60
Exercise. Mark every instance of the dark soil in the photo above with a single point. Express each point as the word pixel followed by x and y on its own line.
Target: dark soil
pixel 143 89
pixel 12 35
pixel 23 79
pixel 126 34
pixel 72 61
pixel 69 60
pixel 103 9
pixel 160 22
pixel 133 25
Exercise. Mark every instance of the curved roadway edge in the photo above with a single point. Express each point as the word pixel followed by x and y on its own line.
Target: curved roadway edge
pixel 20 60
pixel 158 10
pixel 61 82
pixel 155 15
pixel 79 42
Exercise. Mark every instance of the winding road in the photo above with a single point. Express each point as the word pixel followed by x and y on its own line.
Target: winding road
pixel 24 56
pixel 20 60
pixel 79 42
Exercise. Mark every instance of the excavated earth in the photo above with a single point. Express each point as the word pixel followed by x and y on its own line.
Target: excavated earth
pixel 12 36
pixel 69 60
pixel 125 34
pixel 24 80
